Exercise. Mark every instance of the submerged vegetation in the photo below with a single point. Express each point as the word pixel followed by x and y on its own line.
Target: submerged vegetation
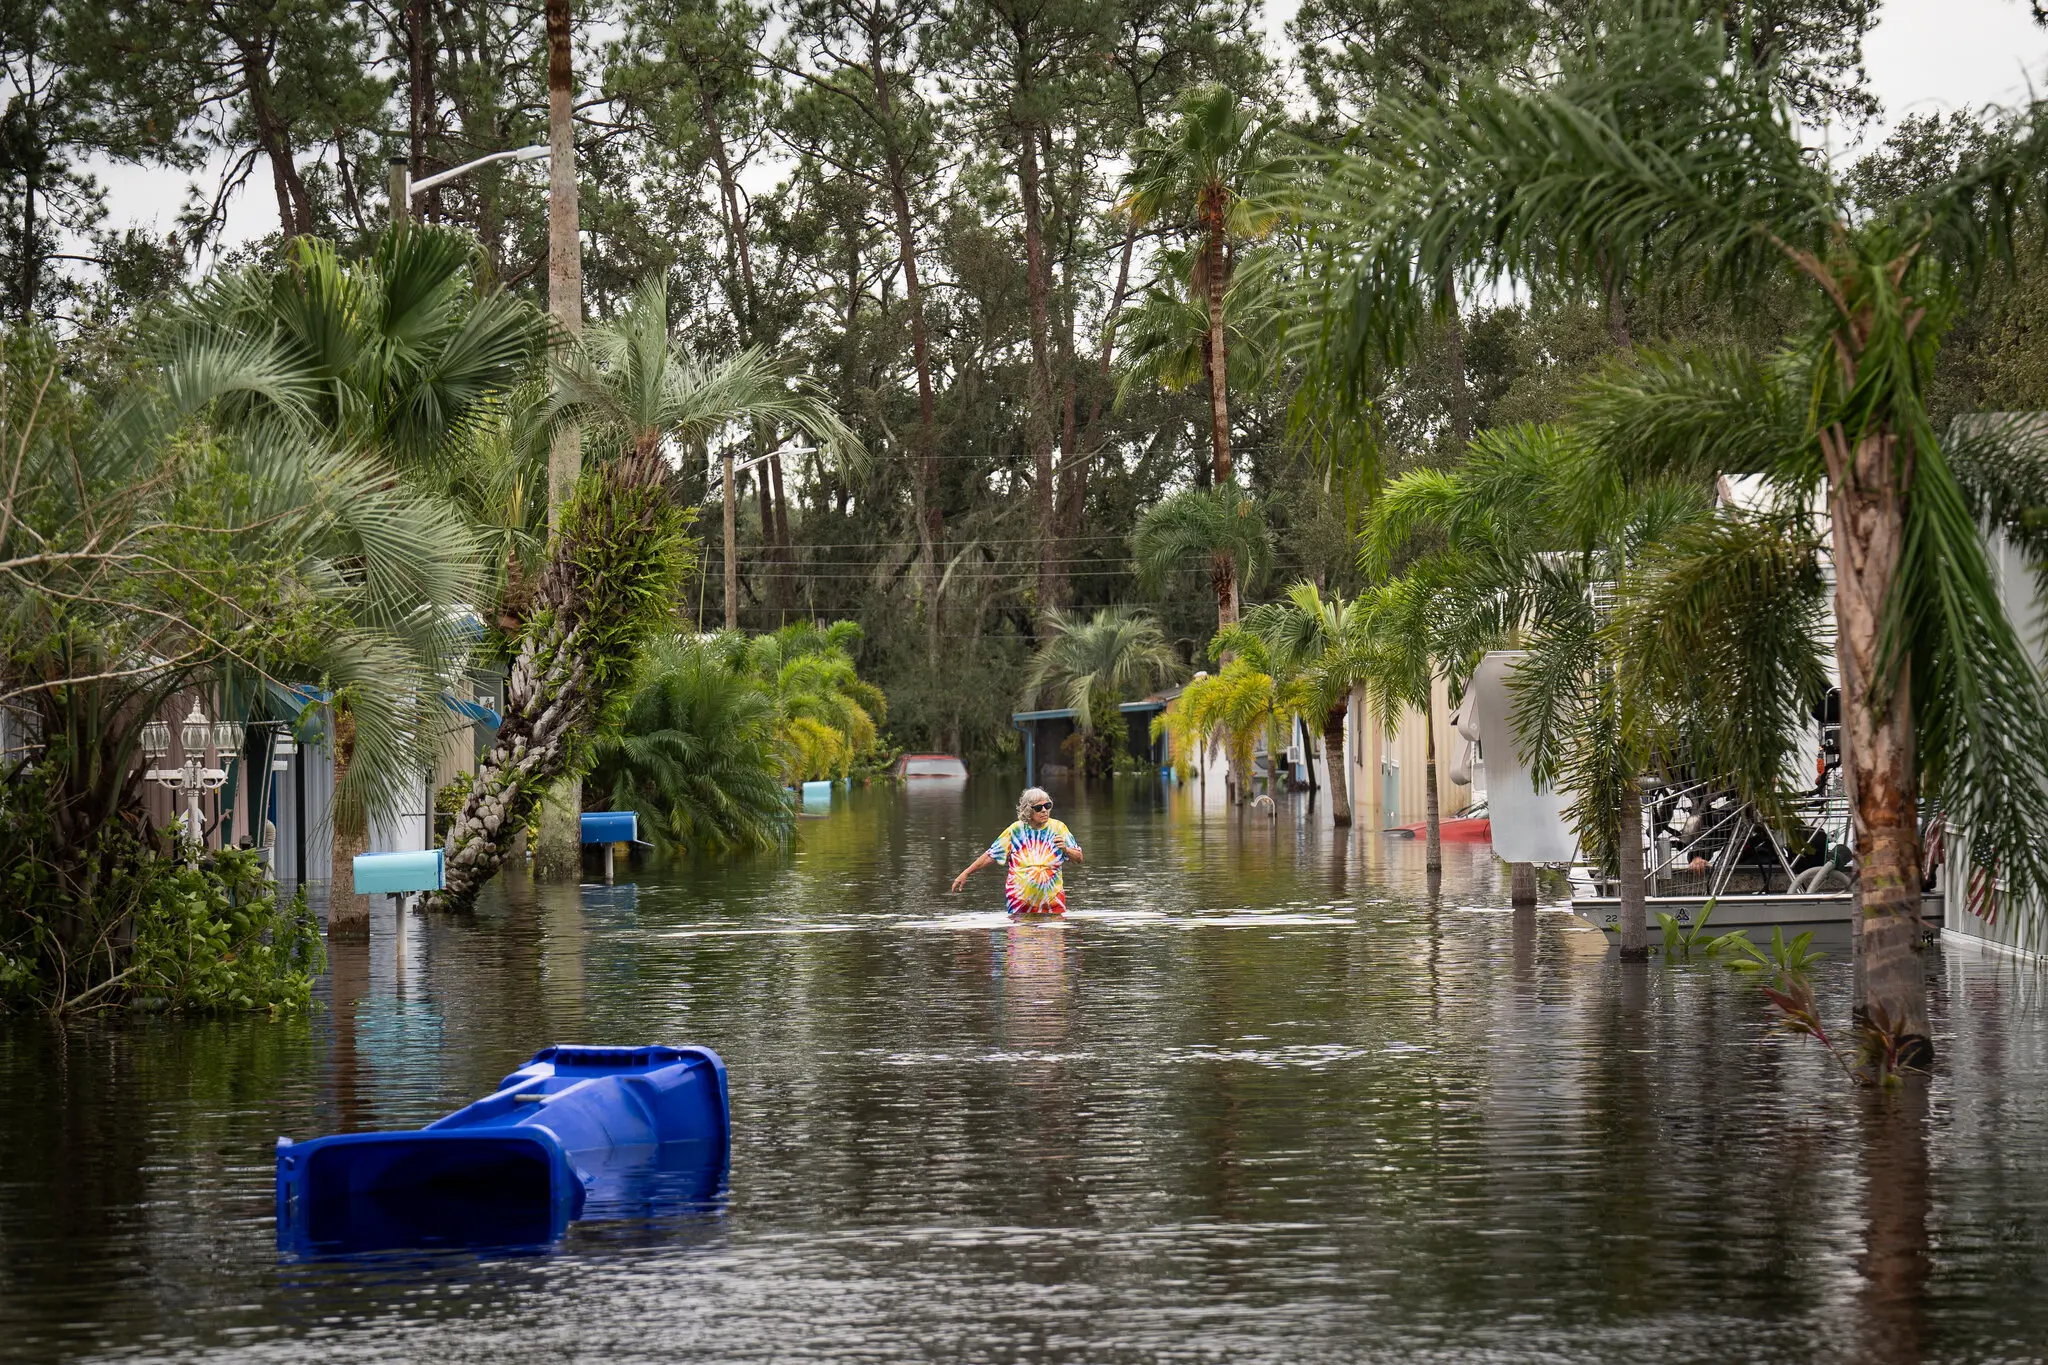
pixel 994 411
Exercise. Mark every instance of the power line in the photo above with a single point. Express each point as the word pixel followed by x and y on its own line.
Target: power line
pixel 985 578
pixel 989 566
pixel 972 543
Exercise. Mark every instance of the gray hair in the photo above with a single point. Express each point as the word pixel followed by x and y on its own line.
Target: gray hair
pixel 1031 796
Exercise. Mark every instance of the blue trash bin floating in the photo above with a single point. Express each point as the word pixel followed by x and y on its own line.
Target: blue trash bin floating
pixel 577 1132
pixel 817 796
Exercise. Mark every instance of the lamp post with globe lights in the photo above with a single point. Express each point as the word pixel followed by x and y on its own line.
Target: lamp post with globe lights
pixel 192 778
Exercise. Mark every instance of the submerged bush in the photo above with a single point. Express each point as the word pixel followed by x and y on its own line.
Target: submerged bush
pixel 142 919
pixel 215 938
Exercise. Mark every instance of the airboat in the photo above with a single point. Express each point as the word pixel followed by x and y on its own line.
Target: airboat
pixel 1703 846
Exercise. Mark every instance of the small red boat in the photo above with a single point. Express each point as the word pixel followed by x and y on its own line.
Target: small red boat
pixel 1475 829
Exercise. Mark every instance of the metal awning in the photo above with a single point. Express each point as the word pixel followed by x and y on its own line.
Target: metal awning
pixel 476 711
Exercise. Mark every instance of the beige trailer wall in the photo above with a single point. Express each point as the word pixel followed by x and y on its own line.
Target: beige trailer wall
pixel 1394 766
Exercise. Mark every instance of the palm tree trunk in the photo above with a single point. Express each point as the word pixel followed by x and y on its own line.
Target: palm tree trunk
pixel 558 856
pixel 1333 764
pixel 1867 508
pixel 1223 578
pixel 1433 858
pixel 556 690
pixel 1218 358
pixel 1635 934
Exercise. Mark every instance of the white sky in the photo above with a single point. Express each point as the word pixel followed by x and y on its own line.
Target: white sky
pixel 1924 56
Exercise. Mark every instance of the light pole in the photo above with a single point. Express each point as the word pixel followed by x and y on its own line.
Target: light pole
pixel 404 187
pixel 193 778
pixel 727 471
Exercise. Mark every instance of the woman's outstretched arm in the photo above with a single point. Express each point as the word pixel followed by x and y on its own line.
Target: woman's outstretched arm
pixel 977 865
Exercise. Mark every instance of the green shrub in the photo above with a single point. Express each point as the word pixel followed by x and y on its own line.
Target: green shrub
pixel 133 919
pixel 215 939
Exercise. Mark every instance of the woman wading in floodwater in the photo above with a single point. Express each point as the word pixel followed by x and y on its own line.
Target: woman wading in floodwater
pixel 1033 851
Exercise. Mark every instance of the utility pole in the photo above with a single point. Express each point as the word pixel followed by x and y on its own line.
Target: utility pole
pixel 728 470
pixel 560 854
pixel 401 191
pixel 732 569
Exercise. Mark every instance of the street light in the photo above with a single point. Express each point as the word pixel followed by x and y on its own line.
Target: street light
pixel 193 778
pixel 404 187
pixel 728 471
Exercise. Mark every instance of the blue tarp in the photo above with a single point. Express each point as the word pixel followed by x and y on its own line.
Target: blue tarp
pixel 476 711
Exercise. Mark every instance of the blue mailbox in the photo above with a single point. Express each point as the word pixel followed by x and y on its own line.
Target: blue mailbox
pixel 611 827
pixel 396 874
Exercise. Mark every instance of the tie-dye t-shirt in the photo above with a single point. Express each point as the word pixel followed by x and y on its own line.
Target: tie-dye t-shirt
pixel 1033 858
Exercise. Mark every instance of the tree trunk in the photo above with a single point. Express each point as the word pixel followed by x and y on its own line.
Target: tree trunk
pixel 1867 508
pixel 735 221
pixel 1433 857
pixel 348 914
pixel 1223 578
pixel 294 205
pixel 1635 934
pixel 558 856
pixel 1454 360
pixel 554 695
pixel 929 512
pixel 31 258
pixel 1039 423
pixel 1217 356
pixel 418 81
pixel 1334 765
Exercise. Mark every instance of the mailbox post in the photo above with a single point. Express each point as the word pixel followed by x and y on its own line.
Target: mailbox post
pixel 399 875
pixel 609 827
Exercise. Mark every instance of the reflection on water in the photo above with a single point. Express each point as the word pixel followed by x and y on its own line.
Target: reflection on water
pixel 1266 1095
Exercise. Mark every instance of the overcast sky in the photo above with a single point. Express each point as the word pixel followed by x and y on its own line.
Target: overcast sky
pixel 1924 56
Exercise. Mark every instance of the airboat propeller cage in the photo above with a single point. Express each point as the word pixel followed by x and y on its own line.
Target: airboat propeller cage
pixel 397 874
pixel 512 1168
pixel 611 827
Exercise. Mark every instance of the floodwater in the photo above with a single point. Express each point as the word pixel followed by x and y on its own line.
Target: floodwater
pixel 1262 1097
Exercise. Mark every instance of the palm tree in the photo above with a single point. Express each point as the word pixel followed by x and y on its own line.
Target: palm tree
pixel 1167 338
pixel 1323 641
pixel 157 548
pixel 404 355
pixel 616 562
pixel 827 716
pixel 1213 172
pixel 1225 524
pixel 698 755
pixel 1233 708
pixel 1096 663
pixel 1706 656
pixel 1655 161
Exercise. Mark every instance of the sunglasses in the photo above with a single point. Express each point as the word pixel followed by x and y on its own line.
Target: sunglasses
pixel 1042 805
